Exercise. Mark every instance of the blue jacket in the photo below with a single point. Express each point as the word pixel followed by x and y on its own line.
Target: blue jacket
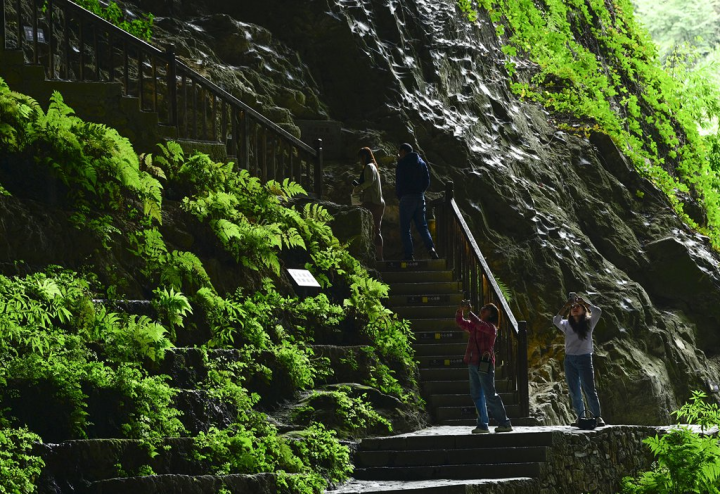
pixel 411 175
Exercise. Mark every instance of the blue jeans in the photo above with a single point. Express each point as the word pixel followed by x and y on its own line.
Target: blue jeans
pixel 493 401
pixel 478 397
pixel 412 209
pixel 579 374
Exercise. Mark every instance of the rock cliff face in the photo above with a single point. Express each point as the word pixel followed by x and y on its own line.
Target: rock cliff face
pixel 552 212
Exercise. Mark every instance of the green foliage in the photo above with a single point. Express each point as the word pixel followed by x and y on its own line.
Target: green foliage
pixel 685 460
pixel 19 469
pixel 172 306
pixel 342 412
pixel 99 167
pixel 55 337
pixel 598 70
pixel 142 28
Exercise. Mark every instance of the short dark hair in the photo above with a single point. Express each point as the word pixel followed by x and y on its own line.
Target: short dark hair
pixel 494 312
pixel 406 147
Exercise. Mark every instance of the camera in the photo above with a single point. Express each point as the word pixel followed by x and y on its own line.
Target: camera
pixel 572 296
pixel 355 183
pixel 465 303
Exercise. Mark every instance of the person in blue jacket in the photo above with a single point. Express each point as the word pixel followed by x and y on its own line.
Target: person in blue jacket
pixel 412 178
pixel 577 320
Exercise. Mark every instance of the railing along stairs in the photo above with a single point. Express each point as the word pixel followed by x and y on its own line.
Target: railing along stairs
pixel 73 44
pixel 457 245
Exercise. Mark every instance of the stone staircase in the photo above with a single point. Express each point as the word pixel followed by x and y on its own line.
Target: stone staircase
pixel 450 453
pixel 426 293
pixel 99 102
pixel 446 458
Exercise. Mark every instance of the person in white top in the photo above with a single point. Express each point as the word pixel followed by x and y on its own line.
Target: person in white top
pixel 577 320
pixel 369 189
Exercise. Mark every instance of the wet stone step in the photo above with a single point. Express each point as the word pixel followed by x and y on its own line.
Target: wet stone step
pixel 440 486
pixel 464 400
pixel 391 277
pixel 452 361
pixel 425 311
pixel 419 265
pixel 462 412
pixel 470 423
pixel 186 484
pixel 437 329
pixel 420 288
pixel 429 349
pixel 444 437
pixel 485 456
pixel 495 471
pixel 451 299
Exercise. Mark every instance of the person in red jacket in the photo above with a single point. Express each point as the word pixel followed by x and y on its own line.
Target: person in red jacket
pixel 480 357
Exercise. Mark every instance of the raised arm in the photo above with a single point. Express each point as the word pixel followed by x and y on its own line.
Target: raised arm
pixel 562 313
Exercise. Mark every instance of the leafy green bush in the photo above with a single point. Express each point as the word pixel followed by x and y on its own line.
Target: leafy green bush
pixel 598 70
pixel 18 467
pixel 685 460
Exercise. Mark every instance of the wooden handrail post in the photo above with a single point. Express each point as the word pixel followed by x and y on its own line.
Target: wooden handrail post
pixel 319 168
pixel 172 84
pixel 2 27
pixel 522 378
pixel 449 191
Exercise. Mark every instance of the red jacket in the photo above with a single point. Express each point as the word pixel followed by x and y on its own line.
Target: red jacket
pixel 482 337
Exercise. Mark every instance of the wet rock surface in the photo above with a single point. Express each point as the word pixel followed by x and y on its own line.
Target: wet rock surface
pixel 551 211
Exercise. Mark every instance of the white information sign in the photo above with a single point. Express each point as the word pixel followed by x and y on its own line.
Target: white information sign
pixel 303 277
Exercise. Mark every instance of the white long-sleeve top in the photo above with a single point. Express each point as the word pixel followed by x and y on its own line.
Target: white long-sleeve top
pixel 573 344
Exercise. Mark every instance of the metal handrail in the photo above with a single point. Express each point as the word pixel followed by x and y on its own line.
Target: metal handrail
pixel 197 107
pixel 458 246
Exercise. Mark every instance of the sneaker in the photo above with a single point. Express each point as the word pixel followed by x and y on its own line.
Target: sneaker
pixel 600 422
pixel 434 254
pixel 481 430
pixel 504 428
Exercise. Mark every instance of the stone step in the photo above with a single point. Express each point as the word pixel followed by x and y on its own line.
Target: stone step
pixel 434 457
pixel 425 311
pixel 186 484
pixel 441 438
pixel 445 299
pixel 464 400
pixel 447 361
pixel 469 471
pixel 468 411
pixel 470 422
pixel 440 486
pixel 457 374
pixel 421 288
pixel 437 325
pixel 457 386
pixel 391 277
pixel 419 265
pixel 450 349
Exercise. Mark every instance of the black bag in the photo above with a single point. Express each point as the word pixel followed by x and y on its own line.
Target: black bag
pixel 587 423
pixel 485 363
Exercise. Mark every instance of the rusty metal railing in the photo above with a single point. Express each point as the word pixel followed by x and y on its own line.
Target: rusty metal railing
pixel 74 44
pixel 457 245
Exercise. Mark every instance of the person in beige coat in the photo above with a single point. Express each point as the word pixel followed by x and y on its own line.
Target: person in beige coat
pixel 369 189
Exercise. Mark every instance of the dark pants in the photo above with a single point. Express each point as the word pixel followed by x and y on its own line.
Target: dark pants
pixel 412 209
pixel 580 377
pixel 494 403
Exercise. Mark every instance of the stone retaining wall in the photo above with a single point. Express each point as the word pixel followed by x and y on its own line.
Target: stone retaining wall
pixel 596 461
